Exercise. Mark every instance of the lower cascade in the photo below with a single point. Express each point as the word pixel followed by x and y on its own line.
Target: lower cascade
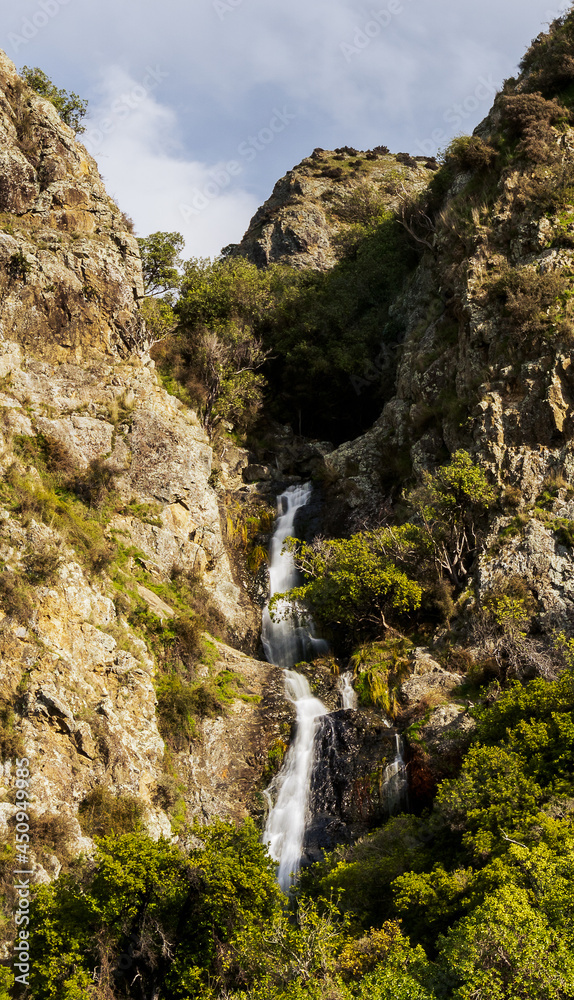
pixel 395 782
pixel 306 798
pixel 285 643
pixel 287 820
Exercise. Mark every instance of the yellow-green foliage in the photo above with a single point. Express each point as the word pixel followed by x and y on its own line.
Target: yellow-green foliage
pixel 102 813
pixel 46 492
pixel 379 669
pixel 275 757
pixel 181 702
pixel 247 528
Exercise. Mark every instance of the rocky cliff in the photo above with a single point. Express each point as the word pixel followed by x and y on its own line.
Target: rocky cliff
pixel 110 526
pixel 483 343
pixel 71 274
pixel 106 499
pixel 300 223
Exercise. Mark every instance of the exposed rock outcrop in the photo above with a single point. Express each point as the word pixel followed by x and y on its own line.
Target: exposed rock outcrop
pixel 70 272
pixel 298 225
pixel 347 795
pixel 83 418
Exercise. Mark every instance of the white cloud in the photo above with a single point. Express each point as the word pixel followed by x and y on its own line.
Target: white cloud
pixel 134 138
pixel 227 73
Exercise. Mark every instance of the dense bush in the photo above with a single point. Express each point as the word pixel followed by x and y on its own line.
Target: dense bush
pixel 529 118
pixel 15 596
pixel 549 62
pixel 11 741
pixel 536 304
pixel 102 813
pixel 363 584
pixel 301 340
pixel 470 153
pixel 144 919
pixel 352 584
pixel 71 108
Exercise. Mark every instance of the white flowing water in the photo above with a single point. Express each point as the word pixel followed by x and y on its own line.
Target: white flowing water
pixel 347 692
pixel 286 642
pixel 285 829
pixel 395 781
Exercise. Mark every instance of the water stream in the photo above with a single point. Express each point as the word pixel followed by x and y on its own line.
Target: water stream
pixel 347 692
pixel 395 781
pixel 287 642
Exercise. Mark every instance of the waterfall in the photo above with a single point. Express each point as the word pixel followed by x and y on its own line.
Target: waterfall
pixel 287 820
pixel 347 691
pixel 286 642
pixel 395 781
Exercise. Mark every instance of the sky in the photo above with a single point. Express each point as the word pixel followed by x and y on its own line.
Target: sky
pixel 197 107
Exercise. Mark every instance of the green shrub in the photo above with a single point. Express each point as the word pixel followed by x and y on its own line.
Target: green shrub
pixel 16 596
pixel 46 499
pixel 549 62
pixel 181 703
pixel 352 584
pixel 534 303
pixel 469 152
pixel 101 813
pixel 94 483
pixel 18 267
pixel 147 912
pixel 42 565
pixel 71 108
pixel 11 741
pixel 275 758
pixel 521 113
pixel 379 670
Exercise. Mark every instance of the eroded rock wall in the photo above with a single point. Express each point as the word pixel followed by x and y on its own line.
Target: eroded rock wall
pixel 70 272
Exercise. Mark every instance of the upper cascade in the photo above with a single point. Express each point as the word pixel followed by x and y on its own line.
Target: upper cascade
pixel 70 269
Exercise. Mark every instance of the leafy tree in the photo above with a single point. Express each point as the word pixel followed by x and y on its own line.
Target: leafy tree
pixel 159 318
pixel 352 583
pixel 449 505
pixel 145 910
pixel 229 366
pixel 217 348
pixel 161 261
pixel 506 950
pixel 71 108
pixel 334 345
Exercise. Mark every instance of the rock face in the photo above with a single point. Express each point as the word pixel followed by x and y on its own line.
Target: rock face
pixel 225 766
pixel 299 223
pixel 70 273
pixel 81 412
pixel 348 794
pixel 156 448
pixel 428 680
pixel 435 748
pixel 468 374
